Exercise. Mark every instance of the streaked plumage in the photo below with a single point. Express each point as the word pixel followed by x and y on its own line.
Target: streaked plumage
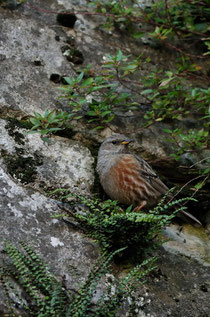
pixel 126 177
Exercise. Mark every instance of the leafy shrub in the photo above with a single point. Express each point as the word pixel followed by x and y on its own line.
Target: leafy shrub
pixel 169 95
pixel 50 122
pixel 195 140
pixel 170 19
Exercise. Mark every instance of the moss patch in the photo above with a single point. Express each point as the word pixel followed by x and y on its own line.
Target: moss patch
pixel 15 123
pixel 22 168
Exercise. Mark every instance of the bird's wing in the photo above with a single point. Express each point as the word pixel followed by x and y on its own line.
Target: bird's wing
pixel 149 175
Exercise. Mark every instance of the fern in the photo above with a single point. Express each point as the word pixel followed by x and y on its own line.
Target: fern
pixel 82 302
pixel 31 274
pixel 26 279
pixel 115 228
pixel 109 305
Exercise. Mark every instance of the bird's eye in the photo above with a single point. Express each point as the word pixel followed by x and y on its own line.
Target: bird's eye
pixel 114 142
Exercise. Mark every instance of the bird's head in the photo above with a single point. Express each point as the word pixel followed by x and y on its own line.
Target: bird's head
pixel 116 143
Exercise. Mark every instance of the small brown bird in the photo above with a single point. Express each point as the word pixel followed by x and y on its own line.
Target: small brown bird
pixel 126 177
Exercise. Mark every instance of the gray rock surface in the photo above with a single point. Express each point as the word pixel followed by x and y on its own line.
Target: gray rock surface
pixel 189 241
pixel 183 293
pixel 26 215
pixel 29 54
pixel 61 163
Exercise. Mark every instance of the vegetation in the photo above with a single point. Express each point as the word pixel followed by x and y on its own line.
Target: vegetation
pixel 50 122
pixel 170 94
pixel 115 228
pixel 30 287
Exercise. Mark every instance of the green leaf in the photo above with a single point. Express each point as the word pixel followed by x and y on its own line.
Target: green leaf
pixel 110 118
pixel 129 209
pixel 199 185
pixel 87 82
pixel 103 114
pixel 98 128
pixel 69 80
pixel 129 67
pixel 168 131
pixel 38 115
pixel 146 91
pixel 165 82
pixel 46 113
pixel 138 35
pixel 207 170
pixel 51 116
pixel 79 78
pixel 119 56
pixel 35 121
pixel 45 139
pixel 44 132
pixel 201 27
pixel 91 113
pixel 54 129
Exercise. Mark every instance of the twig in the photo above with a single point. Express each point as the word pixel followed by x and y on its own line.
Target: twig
pixel 205 159
pixel 179 191
pixel 197 189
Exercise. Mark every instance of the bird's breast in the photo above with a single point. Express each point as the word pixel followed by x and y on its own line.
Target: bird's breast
pixel 123 182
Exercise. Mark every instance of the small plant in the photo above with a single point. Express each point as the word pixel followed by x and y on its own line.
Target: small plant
pixel 13 4
pixel 98 98
pixel 168 95
pixel 194 140
pixel 31 288
pixel 170 20
pixel 84 98
pixel 50 122
pixel 115 228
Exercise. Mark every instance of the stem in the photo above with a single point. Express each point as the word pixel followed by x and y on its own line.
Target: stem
pixel 186 184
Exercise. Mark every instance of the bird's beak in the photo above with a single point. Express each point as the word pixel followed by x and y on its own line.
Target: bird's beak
pixel 126 141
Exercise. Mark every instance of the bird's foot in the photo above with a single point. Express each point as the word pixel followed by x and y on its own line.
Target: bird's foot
pixel 138 208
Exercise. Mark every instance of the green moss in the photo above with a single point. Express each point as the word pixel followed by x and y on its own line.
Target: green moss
pixel 197 232
pixel 11 126
pixel 207 259
pixel 22 168
pixel 15 123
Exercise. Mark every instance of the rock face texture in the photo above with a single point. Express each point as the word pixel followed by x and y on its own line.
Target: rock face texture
pixel 29 55
pixel 26 215
pixel 62 162
pixel 32 64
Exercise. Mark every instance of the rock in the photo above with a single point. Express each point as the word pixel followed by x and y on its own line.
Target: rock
pixel 61 163
pixel 26 216
pixel 32 54
pixel 189 241
pixel 177 288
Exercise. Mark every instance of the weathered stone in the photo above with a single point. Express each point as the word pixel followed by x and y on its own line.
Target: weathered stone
pixel 176 289
pixel 61 163
pixel 189 241
pixel 24 85
pixel 26 216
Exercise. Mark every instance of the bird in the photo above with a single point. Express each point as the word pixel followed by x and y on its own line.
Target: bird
pixel 128 178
